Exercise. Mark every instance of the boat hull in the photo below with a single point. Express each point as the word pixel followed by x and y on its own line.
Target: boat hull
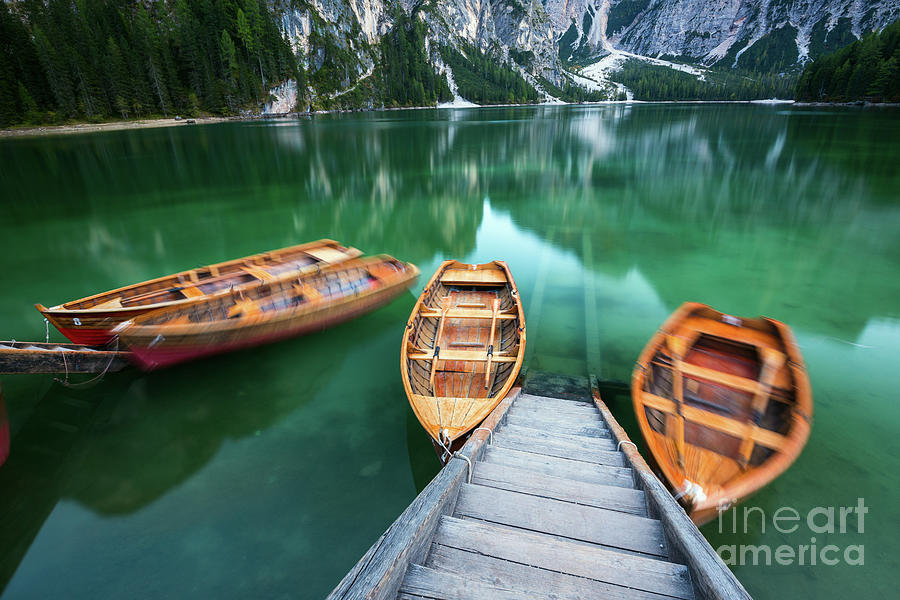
pixel 165 355
pixel 94 330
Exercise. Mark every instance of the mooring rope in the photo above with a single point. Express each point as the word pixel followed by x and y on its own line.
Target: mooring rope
pixel 91 381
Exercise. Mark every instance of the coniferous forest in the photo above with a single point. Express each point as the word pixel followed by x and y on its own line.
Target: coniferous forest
pixel 867 69
pixel 407 77
pixel 484 80
pixel 96 59
pixel 654 82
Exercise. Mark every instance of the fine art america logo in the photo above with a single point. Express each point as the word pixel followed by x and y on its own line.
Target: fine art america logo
pixel 826 521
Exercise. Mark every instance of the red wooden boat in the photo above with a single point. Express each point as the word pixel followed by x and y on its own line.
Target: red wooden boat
pixel 90 321
pixel 265 313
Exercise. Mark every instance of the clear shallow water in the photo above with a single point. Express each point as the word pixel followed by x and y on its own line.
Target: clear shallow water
pixel 269 472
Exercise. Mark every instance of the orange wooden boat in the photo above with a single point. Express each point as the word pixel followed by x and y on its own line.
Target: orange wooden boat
pixel 90 320
pixel 265 313
pixel 724 404
pixel 463 347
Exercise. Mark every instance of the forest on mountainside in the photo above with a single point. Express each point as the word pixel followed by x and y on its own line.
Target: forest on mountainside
pixel 655 82
pixel 407 76
pixel 867 69
pixel 95 59
pixel 484 79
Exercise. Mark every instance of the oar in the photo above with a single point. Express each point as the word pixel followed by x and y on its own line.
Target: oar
pixel 495 308
pixel 445 306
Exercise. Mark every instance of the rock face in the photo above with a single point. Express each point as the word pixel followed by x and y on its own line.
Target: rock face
pixel 552 35
pixel 713 30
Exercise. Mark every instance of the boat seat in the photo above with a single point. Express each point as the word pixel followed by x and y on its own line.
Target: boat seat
pixel 244 308
pixel 737 429
pixel 258 273
pixel 465 355
pixel 114 303
pixel 468 313
pixel 476 277
pixel 192 292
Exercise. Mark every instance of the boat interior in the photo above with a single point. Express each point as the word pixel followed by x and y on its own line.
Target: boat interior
pixel 204 281
pixel 346 279
pixel 720 407
pixel 465 341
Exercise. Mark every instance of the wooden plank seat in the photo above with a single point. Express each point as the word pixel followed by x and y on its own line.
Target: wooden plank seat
pixel 738 429
pixel 466 355
pixel 473 277
pixel 260 274
pixel 467 313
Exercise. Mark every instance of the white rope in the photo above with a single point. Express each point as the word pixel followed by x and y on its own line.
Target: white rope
pixel 619 445
pixel 46 330
pixel 490 434
pixel 82 384
pixel 468 462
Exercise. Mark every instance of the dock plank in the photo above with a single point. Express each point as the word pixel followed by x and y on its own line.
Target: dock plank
pixel 563 556
pixel 547 486
pixel 556 517
pixel 425 582
pixel 541 402
pixel 508 574
pixel 559 449
pixel 561 467
pixel 590 444
pixel 595 430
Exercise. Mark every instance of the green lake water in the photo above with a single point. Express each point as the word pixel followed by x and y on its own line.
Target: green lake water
pixel 269 472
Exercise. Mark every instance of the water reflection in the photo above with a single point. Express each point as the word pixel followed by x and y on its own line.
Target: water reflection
pixel 616 212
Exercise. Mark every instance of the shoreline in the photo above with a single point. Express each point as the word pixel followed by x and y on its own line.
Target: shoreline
pixel 74 128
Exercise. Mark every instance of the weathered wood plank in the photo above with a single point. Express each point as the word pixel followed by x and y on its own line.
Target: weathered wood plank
pixel 565 416
pixel 573 558
pixel 524 578
pixel 424 582
pixel 561 467
pixel 534 402
pixel 40 357
pixel 574 521
pixel 558 449
pixel 547 486
pixel 552 426
pixel 712 578
pixel 590 444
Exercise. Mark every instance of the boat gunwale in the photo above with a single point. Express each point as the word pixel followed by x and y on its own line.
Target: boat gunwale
pixel 753 479
pixel 410 325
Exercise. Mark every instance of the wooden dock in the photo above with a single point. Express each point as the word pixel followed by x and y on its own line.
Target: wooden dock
pixel 558 504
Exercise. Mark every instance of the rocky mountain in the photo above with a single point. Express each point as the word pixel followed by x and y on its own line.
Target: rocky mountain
pixel 544 40
pixel 98 59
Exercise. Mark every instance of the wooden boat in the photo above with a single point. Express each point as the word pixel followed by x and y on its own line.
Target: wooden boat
pixel 40 357
pixel 724 404
pixel 463 347
pixel 265 313
pixel 90 320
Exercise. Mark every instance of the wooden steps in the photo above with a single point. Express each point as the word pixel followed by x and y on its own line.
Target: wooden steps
pixel 551 512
